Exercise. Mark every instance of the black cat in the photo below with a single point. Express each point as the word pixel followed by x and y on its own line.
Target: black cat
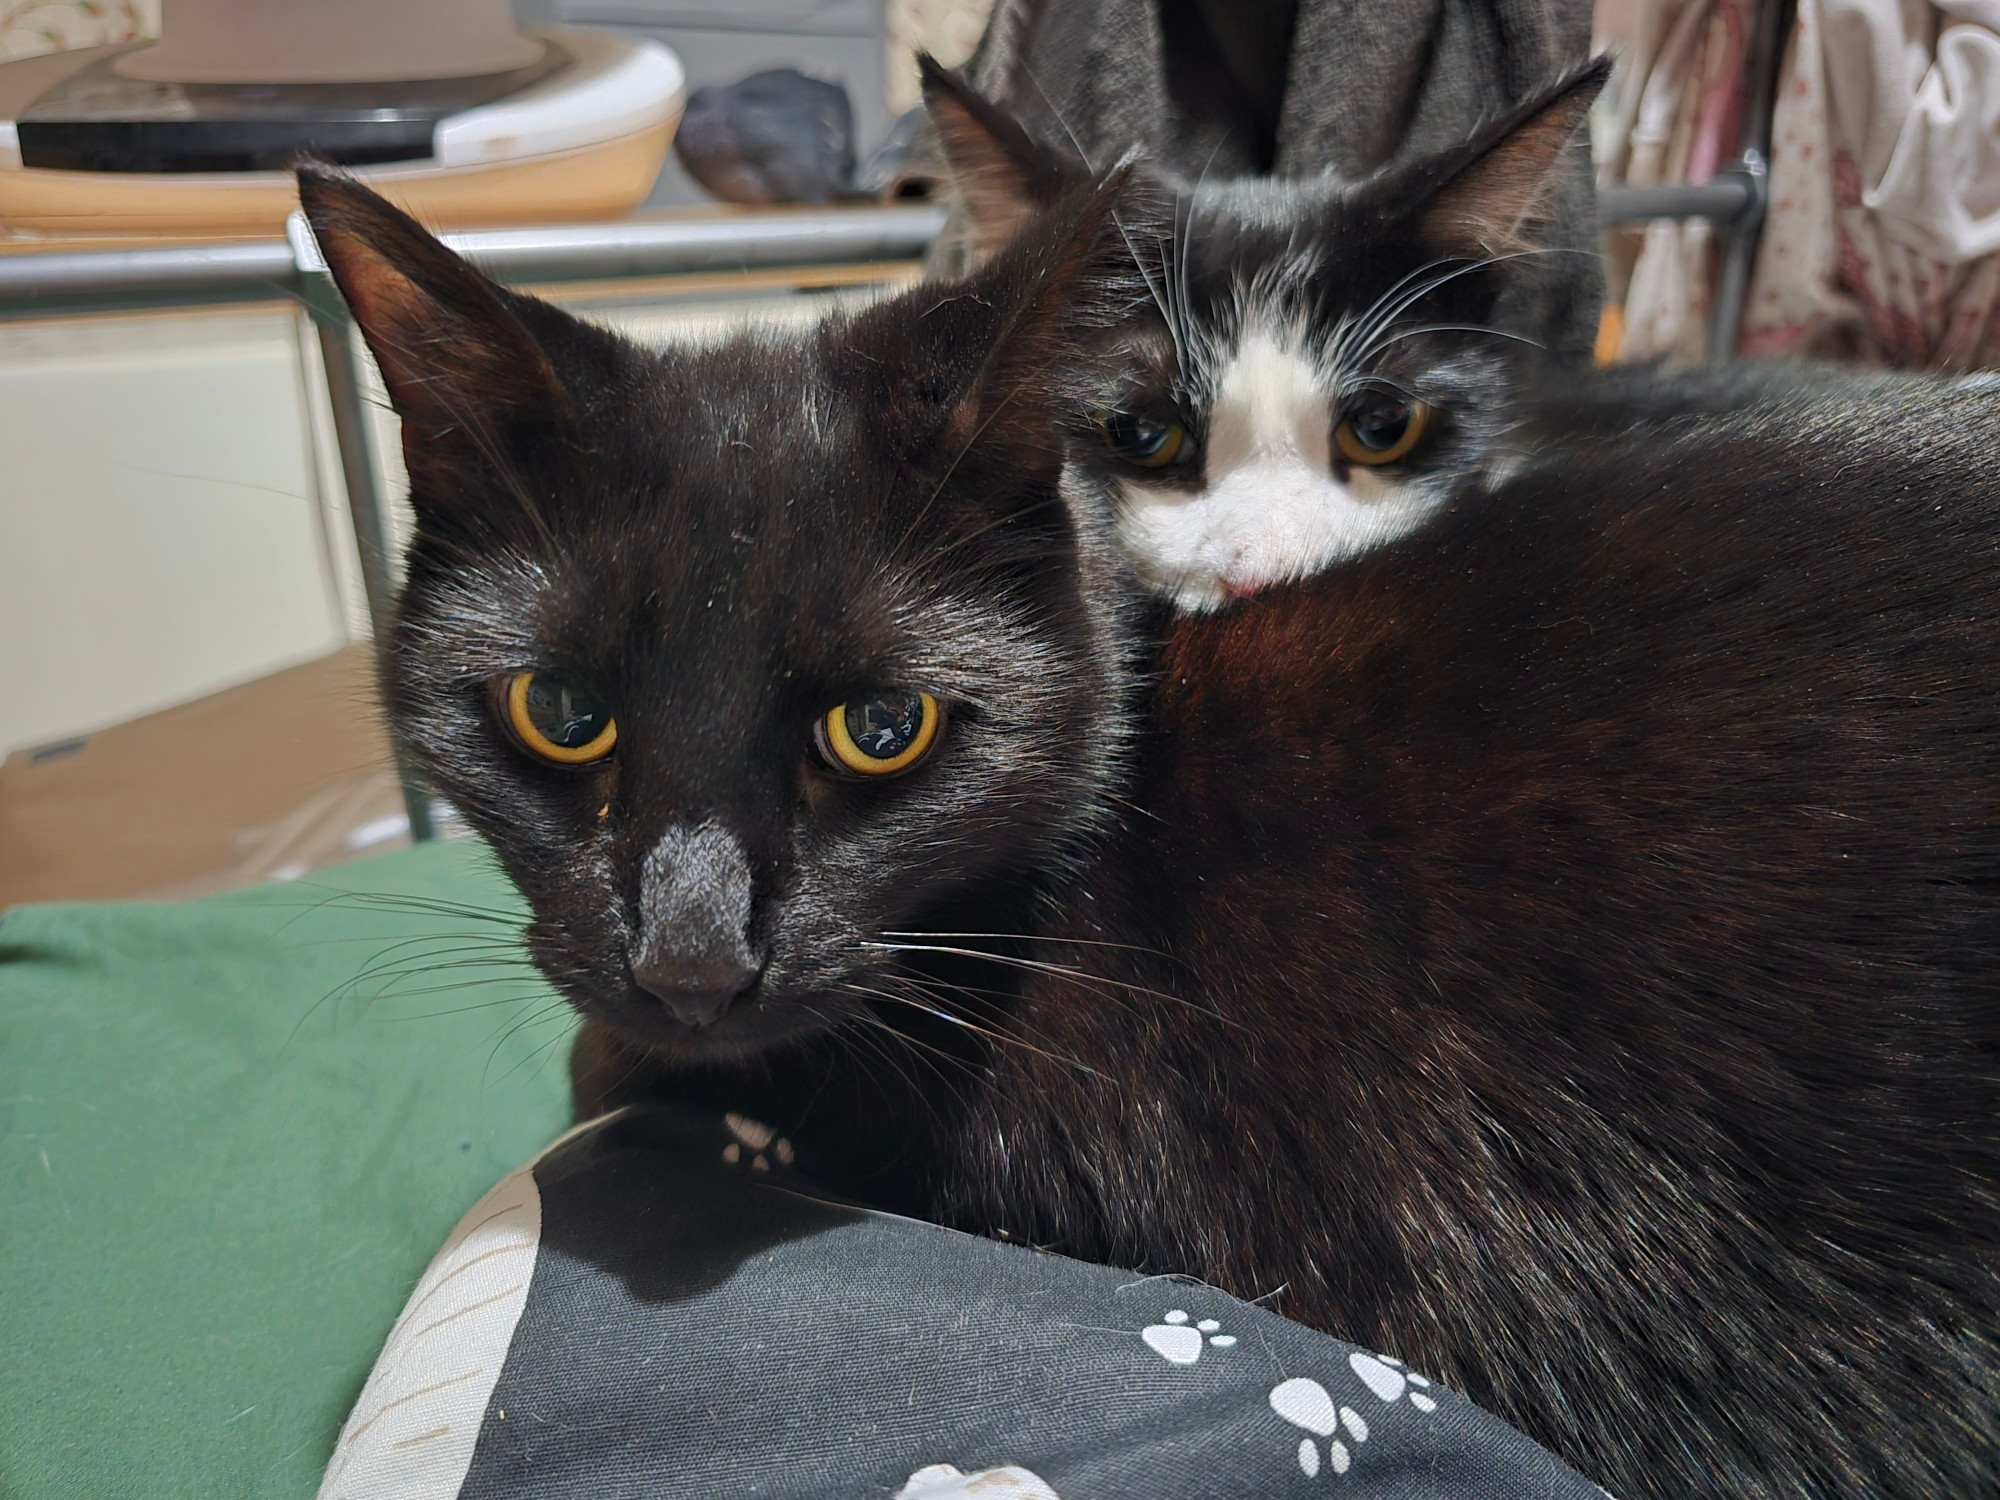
pixel 1552 944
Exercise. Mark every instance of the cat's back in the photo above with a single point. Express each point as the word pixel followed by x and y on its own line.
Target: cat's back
pixel 1649 518
pixel 1691 734
pixel 1559 411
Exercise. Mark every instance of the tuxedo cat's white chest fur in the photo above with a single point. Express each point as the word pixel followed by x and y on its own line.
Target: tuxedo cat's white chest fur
pixel 1273 504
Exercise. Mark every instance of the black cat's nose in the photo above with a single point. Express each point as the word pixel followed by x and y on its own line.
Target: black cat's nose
pixel 698 994
pixel 693 952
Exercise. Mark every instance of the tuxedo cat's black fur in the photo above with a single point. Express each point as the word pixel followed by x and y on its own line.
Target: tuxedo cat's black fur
pixel 1555 946
pixel 1600 891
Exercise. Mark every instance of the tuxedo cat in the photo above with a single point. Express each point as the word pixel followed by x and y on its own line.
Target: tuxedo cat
pixel 1554 943
pixel 1269 415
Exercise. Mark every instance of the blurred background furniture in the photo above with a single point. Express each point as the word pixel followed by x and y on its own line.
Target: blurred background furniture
pixel 843 42
pixel 442 104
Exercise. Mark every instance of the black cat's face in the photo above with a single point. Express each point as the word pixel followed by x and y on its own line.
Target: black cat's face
pixel 1306 366
pixel 743 659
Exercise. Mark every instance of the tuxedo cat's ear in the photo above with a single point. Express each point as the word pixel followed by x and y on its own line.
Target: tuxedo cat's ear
pixel 452 353
pixel 1003 176
pixel 1501 181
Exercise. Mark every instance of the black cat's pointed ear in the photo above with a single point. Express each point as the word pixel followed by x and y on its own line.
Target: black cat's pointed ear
pixel 1067 275
pixel 1082 267
pixel 1502 180
pixel 451 351
pixel 1002 175
pixel 988 361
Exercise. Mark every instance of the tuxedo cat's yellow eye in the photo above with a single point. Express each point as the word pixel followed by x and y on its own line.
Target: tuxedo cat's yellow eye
pixel 879 736
pixel 1149 443
pixel 1380 428
pixel 555 721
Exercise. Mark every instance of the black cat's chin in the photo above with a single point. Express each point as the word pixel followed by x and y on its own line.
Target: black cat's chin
pixel 607 994
pixel 750 1029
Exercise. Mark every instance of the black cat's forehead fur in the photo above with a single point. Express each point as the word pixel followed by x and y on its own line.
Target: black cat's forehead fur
pixel 720 515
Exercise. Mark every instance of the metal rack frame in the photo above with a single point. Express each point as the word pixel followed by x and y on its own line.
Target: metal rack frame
pixel 1737 198
pixel 94 281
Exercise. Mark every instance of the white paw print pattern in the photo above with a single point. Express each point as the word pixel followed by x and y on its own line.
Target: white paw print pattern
pixel 948 1482
pixel 756 1140
pixel 1180 1342
pixel 1391 1379
pixel 1306 1403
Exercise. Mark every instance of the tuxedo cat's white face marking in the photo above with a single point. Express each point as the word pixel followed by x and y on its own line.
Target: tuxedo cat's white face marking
pixel 1274 505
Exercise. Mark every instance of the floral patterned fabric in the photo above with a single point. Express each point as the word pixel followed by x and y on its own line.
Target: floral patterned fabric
pixel 1679 120
pixel 1883 236
pixel 1885 178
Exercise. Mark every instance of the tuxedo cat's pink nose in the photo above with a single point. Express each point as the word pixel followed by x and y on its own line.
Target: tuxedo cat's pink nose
pixel 697 994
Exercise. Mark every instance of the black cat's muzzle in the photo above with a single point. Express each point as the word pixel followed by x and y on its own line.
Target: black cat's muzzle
pixel 700 982
pixel 693 1025
pixel 692 952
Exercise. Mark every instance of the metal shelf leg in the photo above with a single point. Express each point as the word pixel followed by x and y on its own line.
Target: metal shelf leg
pixel 364 505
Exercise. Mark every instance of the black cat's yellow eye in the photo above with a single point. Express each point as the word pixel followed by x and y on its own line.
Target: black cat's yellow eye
pixel 880 736
pixel 1381 428
pixel 1145 441
pixel 555 721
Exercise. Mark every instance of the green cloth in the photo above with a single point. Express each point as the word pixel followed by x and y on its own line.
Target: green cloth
pixel 226 1164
